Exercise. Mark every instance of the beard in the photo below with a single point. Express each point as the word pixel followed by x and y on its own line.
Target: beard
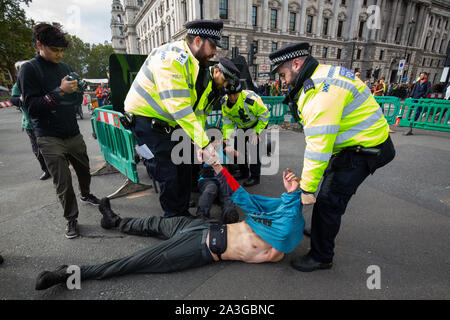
pixel 202 55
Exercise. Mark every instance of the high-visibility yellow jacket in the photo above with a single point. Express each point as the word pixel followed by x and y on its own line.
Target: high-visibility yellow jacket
pixel 253 114
pixel 164 88
pixel 337 110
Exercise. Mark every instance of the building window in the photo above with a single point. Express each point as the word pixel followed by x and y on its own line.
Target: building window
pixel 225 43
pixel 361 29
pixel 254 15
pixel 292 18
pixel 273 18
pixel 274 46
pixel 223 9
pixel 339 54
pixel 343 2
pixel 339 29
pixel 358 54
pixel 309 24
pixel 325 26
pixel 381 55
pixel 121 31
pixel 324 52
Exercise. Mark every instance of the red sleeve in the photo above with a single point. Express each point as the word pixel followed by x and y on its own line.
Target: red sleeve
pixel 234 185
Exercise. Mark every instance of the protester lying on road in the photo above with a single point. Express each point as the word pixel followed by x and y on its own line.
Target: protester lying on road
pixel 272 228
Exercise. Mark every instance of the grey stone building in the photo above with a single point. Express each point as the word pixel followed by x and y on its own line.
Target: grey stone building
pixel 370 36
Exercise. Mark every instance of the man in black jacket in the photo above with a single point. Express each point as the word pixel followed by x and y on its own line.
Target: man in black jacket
pixel 51 100
pixel 421 90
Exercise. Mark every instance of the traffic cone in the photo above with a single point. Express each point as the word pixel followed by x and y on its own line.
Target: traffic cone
pixel 397 121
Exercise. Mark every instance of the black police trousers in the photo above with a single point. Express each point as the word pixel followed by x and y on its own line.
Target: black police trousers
pixel 184 248
pixel 174 180
pixel 345 173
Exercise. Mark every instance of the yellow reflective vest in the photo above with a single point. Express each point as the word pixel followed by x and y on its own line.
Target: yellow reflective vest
pixel 337 110
pixel 164 88
pixel 249 111
pixel 210 97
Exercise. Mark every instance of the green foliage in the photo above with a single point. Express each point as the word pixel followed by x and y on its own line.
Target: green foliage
pixel 15 34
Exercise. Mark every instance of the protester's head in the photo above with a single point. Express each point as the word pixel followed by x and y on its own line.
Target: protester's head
pixel 289 60
pixel 203 38
pixel 50 42
pixel 358 74
pixel 423 75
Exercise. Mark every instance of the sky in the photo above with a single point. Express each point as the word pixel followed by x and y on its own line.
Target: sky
pixel 87 19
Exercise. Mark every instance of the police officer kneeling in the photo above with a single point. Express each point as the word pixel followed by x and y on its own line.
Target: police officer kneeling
pixel 347 138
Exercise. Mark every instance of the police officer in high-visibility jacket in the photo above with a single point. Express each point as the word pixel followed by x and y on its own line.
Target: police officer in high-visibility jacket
pixel 219 77
pixel 347 138
pixel 244 109
pixel 162 99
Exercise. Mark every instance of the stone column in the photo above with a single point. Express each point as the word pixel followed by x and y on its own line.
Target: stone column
pixel 354 22
pixel 419 25
pixel 406 25
pixel 392 20
pixel 284 16
pixel 334 22
pixel 265 16
pixel 319 21
pixel 302 18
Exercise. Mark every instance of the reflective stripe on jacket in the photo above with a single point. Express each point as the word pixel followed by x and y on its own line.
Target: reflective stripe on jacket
pixel 254 113
pixel 339 111
pixel 164 88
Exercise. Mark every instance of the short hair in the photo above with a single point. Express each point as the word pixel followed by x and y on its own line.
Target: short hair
pixel 49 35
pixel 426 74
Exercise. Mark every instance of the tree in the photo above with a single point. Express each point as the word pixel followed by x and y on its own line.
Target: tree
pixel 76 55
pixel 98 60
pixel 15 34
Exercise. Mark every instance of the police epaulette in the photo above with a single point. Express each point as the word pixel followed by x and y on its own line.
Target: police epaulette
pixel 308 85
pixel 249 101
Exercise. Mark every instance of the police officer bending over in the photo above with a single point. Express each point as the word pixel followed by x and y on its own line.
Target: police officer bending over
pixel 244 109
pixel 162 98
pixel 347 138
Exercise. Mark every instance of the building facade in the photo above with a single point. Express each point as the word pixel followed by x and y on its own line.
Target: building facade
pixel 369 36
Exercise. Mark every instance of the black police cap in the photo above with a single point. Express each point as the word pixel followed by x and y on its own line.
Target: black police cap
pixel 209 29
pixel 229 69
pixel 287 53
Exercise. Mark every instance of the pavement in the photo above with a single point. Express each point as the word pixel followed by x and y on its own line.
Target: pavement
pixel 396 227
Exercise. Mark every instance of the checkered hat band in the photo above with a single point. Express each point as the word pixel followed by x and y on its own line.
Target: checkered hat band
pixel 291 55
pixel 205 32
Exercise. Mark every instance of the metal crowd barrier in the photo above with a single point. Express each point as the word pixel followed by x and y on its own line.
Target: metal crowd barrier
pixel 428 114
pixel 117 146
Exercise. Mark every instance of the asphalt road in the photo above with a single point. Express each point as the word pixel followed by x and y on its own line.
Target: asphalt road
pixel 399 222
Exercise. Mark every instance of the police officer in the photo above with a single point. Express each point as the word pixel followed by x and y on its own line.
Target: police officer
pixel 245 110
pixel 347 138
pixel 162 98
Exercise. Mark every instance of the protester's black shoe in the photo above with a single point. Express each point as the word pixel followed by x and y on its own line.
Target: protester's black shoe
pixel 307 232
pixel 91 199
pixel 45 175
pixel 240 176
pixel 308 264
pixel 72 229
pixel 251 182
pixel 232 216
pixel 48 279
pixel 109 219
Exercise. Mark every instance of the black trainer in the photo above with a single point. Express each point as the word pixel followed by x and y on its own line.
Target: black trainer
pixel 250 182
pixel 308 264
pixel 72 229
pixel 48 279
pixel 91 199
pixel 232 216
pixel 110 219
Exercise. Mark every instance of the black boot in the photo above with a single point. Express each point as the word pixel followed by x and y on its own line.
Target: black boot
pixel 48 279
pixel 308 264
pixel 109 219
pixel 251 182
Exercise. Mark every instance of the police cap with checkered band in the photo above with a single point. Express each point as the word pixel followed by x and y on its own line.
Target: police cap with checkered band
pixel 208 29
pixel 287 53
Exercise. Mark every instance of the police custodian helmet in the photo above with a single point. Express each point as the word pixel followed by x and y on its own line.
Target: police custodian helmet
pixel 208 29
pixel 287 53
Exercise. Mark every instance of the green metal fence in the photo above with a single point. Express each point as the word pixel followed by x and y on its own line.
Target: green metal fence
pixel 428 114
pixel 117 147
